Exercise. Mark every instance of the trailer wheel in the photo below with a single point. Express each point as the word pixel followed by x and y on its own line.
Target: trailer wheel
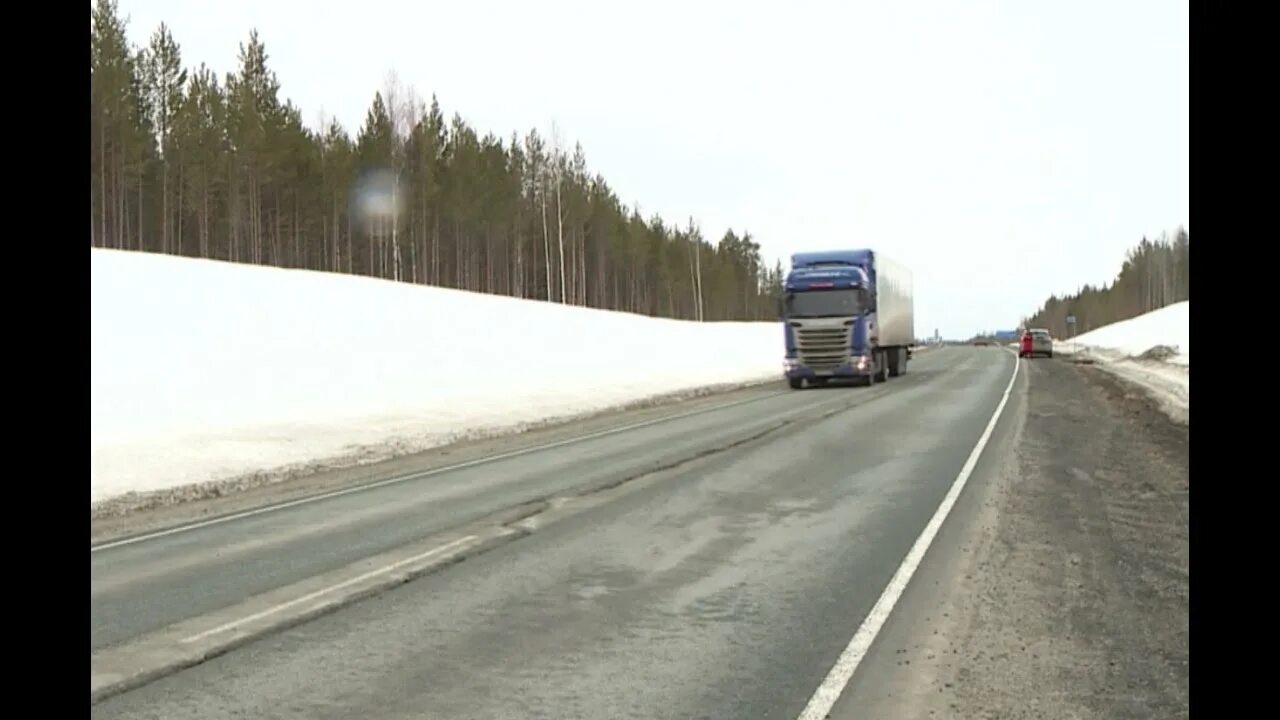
pixel 897 363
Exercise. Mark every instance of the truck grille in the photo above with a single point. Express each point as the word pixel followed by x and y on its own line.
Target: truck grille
pixel 823 348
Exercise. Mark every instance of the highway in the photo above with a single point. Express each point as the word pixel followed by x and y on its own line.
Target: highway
pixel 709 562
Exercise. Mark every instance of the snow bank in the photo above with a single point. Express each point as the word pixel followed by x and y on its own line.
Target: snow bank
pixel 207 371
pixel 1152 350
pixel 1169 326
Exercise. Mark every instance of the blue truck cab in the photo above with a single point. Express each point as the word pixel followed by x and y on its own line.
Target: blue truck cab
pixel 847 314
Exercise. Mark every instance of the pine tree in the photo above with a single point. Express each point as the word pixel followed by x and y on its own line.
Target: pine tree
pixel 1153 275
pixel 185 162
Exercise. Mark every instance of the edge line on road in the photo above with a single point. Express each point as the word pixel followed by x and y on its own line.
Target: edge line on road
pixel 323 591
pixel 415 476
pixel 833 685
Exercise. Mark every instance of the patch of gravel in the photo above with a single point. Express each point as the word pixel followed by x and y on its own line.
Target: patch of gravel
pixel 1080 608
pixel 1159 353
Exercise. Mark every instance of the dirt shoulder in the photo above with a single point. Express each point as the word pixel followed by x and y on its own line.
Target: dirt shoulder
pixel 1169 383
pixel 1064 593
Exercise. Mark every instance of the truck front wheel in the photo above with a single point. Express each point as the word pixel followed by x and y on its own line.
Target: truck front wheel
pixel 795 383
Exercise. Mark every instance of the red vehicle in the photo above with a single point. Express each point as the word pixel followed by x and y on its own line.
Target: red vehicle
pixel 1035 342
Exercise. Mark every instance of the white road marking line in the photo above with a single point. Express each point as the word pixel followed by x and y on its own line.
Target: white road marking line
pixel 416 476
pixel 824 698
pixel 313 595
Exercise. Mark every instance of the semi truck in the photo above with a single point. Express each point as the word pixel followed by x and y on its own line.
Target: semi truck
pixel 846 314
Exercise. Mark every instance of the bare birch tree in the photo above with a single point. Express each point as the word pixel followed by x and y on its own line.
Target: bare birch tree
pixel 400 104
pixel 557 165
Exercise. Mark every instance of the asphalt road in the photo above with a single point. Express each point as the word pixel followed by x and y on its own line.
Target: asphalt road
pixel 144 586
pixel 723 581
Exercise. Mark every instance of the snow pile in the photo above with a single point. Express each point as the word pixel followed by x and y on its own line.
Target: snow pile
pixel 1152 350
pixel 1170 327
pixel 205 371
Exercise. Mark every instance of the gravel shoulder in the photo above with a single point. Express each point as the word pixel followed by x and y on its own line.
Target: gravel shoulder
pixel 1160 371
pixel 1061 590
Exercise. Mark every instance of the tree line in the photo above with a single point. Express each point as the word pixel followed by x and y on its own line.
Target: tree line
pixel 1156 273
pixel 186 162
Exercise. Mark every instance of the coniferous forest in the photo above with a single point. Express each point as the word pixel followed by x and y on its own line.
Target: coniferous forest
pixel 1155 274
pixel 189 162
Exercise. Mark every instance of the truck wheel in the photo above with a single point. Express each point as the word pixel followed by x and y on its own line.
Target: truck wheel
pixel 795 383
pixel 883 373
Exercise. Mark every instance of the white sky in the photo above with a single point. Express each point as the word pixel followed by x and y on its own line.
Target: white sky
pixel 1001 150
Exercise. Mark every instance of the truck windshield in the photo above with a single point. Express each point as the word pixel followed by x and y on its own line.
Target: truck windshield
pixel 825 303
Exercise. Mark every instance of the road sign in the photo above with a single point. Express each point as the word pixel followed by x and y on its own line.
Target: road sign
pixel 1071 319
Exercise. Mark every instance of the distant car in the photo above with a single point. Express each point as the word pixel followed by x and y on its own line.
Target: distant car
pixel 1036 342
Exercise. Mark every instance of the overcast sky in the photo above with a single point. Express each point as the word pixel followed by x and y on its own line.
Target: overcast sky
pixel 1001 150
